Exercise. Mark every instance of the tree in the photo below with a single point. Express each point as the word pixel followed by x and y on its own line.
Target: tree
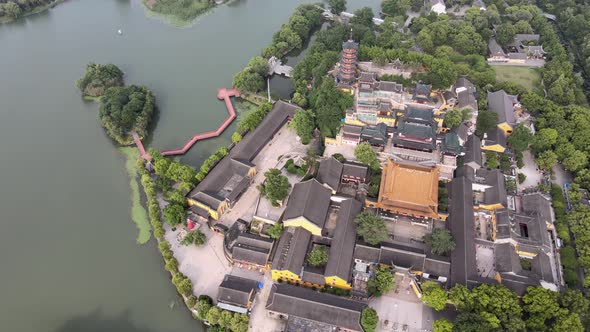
pixel 275 187
pixel 194 237
pixel 213 315
pixel 98 78
pixel 12 10
pixel 248 81
pixel 304 124
pixel 441 241
pixel 329 105
pixel 486 120
pixel 174 214
pixel 575 161
pixel 203 305
pixel 521 178
pixel 236 137
pixel 546 160
pixel 540 305
pixel 318 256
pixel 471 322
pixel 258 65
pixel 505 34
pixel 544 139
pixel 191 301
pixel 239 323
pixel 224 320
pixel 161 166
pixel 520 138
pixel 434 296
pixel 371 228
pixel 442 73
pixel 363 16
pixel 365 154
pixel 382 282
pixel 337 6
pixel 275 231
pixel 124 110
pixel 453 118
pixel 442 325
pixel 369 319
pixel 575 302
pixel 185 287
pixel 492 159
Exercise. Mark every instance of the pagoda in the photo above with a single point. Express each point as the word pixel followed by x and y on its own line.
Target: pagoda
pixel 348 62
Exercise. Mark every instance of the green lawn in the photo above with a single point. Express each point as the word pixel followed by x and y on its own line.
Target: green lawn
pixel 529 78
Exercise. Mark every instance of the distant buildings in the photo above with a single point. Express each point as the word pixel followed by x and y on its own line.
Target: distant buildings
pixel 519 51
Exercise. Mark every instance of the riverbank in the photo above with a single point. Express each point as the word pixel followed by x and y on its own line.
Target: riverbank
pixel 138 213
pixel 37 10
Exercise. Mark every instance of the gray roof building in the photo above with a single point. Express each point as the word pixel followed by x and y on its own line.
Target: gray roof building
pixel 422 92
pixel 401 256
pixel 496 50
pixel 375 135
pixel 313 306
pixel 310 200
pixel 502 104
pixel 461 223
pixel 495 136
pixel 496 193
pixel 462 132
pixel 538 204
pixel 329 173
pixel 366 253
pixel 342 247
pixel 247 248
pixel 473 157
pixel 291 250
pixel 466 94
pixel 417 135
pixel 236 293
pixel 355 170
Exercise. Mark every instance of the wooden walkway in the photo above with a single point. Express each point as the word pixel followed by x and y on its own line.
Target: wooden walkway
pixel 222 93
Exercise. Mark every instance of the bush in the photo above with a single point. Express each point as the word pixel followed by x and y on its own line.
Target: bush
pixel 369 319
pixel 521 178
pixel 339 157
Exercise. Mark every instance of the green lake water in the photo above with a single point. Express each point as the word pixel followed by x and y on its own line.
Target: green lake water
pixel 70 261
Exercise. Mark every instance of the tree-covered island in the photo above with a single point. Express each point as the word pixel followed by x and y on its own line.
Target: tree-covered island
pixel 183 11
pixel 11 10
pixel 124 110
pixel 98 78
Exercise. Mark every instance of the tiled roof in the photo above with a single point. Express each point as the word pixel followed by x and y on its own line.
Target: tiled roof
pixel 309 199
pixel 342 247
pixel 311 305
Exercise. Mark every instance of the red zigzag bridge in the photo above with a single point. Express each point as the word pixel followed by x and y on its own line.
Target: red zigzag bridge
pixel 222 93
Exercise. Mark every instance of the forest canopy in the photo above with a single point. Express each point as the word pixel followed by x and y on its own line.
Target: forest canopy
pixel 127 109
pixel 98 78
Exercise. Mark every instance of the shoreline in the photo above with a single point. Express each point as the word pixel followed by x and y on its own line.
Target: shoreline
pixel 37 10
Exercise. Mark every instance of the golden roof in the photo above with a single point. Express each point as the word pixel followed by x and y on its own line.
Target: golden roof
pixel 409 189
